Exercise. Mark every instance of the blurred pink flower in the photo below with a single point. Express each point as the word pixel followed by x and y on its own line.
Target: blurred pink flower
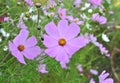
pixel 51 4
pixel 23 46
pixel 111 12
pixel 80 69
pixel 29 2
pixel 21 24
pixel 102 49
pixel 103 78
pixel 92 80
pixel 100 19
pixel 95 72
pixel 42 68
pixel 62 13
pixel 62 41
pixel 75 20
pixel 77 3
pixel 95 2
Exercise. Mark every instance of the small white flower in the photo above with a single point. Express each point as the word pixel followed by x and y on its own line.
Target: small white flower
pixel 105 38
pixel 5 48
pixel 88 26
pixel 32 9
pixel 90 10
pixel 34 17
pixel 3 32
pixel 83 8
pixel 7 35
pixel 0 39
pixel 109 1
pixel 87 5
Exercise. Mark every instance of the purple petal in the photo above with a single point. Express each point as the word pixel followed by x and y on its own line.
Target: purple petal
pixel 92 80
pixel 12 47
pixel 32 52
pixel 62 56
pixel 49 41
pixel 102 20
pixel 53 51
pixel 78 42
pixel 32 41
pixel 95 17
pixel 70 50
pixel 62 13
pixel 19 56
pixel 52 30
pixel 63 65
pixel 42 68
pixel 95 72
pixel 21 37
pixel 73 31
pixel 21 24
pixel 108 80
pixel 63 27
pixel 29 2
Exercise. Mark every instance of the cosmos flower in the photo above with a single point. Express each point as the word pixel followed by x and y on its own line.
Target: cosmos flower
pixel 80 69
pixel 75 20
pixel 95 72
pixel 102 49
pixel 29 2
pixel 51 4
pixel 21 24
pixel 62 13
pixel 100 19
pixel 77 3
pixel 95 2
pixel 103 78
pixel 42 68
pixel 62 41
pixel 92 80
pixel 22 45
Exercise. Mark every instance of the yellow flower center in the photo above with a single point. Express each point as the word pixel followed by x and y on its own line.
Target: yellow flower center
pixel 62 42
pixel 21 47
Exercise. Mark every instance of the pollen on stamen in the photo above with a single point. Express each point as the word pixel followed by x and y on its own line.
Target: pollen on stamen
pixel 21 47
pixel 62 42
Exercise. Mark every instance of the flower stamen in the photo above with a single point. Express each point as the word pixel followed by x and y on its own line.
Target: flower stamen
pixel 62 42
pixel 21 47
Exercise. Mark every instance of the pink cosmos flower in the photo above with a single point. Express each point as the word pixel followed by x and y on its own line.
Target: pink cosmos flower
pixel 62 13
pixel 21 24
pixel 95 2
pixel 80 69
pixel 42 68
pixel 92 80
pixel 111 12
pixel 29 2
pixel 51 4
pixel 102 49
pixel 62 41
pixel 75 20
pixel 100 19
pixel 95 72
pixel 103 78
pixel 77 3
pixel 23 46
